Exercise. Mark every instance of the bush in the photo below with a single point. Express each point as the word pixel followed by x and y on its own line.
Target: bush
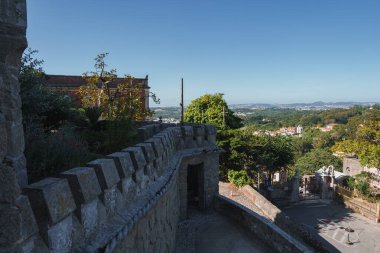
pixel 351 183
pixel 49 153
pixel 363 187
pixel 239 178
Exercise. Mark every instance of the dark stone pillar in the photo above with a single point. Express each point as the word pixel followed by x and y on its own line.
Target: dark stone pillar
pixel 12 44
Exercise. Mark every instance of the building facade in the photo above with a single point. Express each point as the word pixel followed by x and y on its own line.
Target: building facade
pixel 70 85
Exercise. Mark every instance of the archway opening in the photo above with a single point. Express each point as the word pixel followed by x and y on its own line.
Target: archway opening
pixel 195 186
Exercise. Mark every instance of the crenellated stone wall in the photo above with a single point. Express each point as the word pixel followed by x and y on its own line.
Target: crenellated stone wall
pixel 16 221
pixel 131 200
pixel 12 45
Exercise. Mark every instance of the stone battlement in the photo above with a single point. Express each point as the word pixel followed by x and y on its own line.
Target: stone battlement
pixel 104 205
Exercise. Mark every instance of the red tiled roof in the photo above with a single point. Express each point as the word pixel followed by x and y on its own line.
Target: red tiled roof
pixel 76 81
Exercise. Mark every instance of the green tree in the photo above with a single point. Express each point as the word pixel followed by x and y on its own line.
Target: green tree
pixel 316 159
pixel 237 152
pixel 272 153
pixel 365 141
pixel 39 103
pixel 244 151
pixel 126 101
pixel 212 109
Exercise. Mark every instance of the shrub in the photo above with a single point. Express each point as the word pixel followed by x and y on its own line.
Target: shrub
pixel 49 153
pixel 351 183
pixel 362 186
pixel 239 178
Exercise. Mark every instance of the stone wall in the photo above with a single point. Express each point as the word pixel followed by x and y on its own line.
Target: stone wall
pixel 130 200
pixel 352 166
pixel 16 223
pixel 12 45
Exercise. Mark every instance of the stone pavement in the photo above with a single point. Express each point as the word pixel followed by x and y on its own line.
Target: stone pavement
pixel 214 233
pixel 344 230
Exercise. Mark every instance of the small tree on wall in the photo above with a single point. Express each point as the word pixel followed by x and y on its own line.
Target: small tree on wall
pixel 126 101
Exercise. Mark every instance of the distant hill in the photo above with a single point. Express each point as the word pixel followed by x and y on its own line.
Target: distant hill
pixel 314 105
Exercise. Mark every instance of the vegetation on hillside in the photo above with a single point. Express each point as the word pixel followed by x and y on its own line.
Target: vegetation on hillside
pixel 356 130
pixel 364 139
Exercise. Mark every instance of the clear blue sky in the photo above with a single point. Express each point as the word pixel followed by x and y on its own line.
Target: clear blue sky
pixel 252 51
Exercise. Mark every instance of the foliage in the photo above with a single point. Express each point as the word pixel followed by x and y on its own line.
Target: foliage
pixel 365 141
pixel 209 109
pixel 246 151
pixel 38 102
pixel 48 154
pixel 237 151
pixel 316 159
pixel 126 101
pixel 351 183
pixel 239 178
pixel 58 136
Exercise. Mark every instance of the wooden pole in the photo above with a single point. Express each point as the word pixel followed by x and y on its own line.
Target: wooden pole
pixel 224 118
pixel 181 100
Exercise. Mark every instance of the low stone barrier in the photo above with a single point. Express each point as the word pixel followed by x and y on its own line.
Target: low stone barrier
pixel 358 205
pixel 274 214
pixel 259 226
pixel 130 200
pixel 270 210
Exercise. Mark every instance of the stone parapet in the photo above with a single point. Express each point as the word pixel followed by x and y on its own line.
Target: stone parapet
pixel 118 202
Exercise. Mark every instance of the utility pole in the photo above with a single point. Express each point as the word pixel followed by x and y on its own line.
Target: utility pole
pixel 224 118
pixel 181 104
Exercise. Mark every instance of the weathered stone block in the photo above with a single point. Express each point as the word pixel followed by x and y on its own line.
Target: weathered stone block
pixel 28 221
pixel 187 131
pixel 89 217
pixel 35 244
pixel 106 172
pixel 137 156
pixel 78 234
pixel 128 189
pixel 10 224
pixel 9 188
pixel 167 146
pixel 157 128
pixel 157 146
pixel 123 163
pixel 148 151
pixel 112 200
pixel 51 200
pixel 188 136
pixel 59 237
pixel 83 183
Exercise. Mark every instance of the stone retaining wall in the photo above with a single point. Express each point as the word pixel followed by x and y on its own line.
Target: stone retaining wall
pixel 129 200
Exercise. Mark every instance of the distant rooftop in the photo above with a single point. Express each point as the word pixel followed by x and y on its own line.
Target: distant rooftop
pixel 61 81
